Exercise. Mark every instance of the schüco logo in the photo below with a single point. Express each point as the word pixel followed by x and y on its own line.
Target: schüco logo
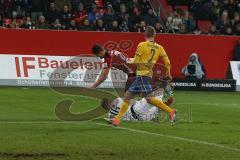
pixel 123 45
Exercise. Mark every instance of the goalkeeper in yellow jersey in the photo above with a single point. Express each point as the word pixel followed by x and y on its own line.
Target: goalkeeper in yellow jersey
pixel 147 55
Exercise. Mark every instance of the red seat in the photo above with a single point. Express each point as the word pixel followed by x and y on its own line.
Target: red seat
pixel 204 25
pixel 167 8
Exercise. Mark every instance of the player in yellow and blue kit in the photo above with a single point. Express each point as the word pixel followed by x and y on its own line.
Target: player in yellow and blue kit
pixel 147 55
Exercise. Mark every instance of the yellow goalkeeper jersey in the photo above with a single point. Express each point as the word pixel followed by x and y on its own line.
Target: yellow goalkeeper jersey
pixel 147 55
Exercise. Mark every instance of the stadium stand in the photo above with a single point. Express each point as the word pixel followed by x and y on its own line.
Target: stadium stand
pixel 98 15
pixel 211 17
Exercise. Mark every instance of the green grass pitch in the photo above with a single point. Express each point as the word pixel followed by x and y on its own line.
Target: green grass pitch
pixel 29 130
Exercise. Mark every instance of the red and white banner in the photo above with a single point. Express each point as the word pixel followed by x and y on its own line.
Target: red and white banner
pixel 37 70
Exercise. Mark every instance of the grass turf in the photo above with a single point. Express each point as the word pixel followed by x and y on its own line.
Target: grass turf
pixel 30 130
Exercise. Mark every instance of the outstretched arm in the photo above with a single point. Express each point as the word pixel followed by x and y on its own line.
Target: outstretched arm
pixel 101 78
pixel 167 64
pixel 137 56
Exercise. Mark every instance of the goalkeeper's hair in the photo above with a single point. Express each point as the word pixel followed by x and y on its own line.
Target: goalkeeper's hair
pixel 97 48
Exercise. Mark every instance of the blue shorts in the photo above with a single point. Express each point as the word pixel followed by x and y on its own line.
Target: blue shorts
pixel 141 84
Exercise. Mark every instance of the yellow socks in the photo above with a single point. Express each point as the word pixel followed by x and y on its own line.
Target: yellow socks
pixel 159 103
pixel 123 109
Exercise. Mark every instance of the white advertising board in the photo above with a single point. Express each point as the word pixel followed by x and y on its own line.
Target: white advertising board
pixel 62 71
pixel 235 67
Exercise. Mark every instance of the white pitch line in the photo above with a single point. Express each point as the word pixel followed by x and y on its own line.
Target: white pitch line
pixel 175 137
pixel 129 129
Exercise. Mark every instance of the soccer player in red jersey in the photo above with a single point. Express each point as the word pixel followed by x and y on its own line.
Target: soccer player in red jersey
pixel 111 59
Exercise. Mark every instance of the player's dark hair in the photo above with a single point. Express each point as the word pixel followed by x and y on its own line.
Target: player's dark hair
pixel 150 32
pixel 96 49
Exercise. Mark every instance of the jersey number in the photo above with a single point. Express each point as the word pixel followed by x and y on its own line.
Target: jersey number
pixel 153 51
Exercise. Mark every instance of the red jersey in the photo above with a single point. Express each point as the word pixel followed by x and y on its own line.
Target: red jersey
pixel 117 60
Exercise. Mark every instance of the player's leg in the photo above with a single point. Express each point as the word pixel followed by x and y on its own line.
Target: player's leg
pixel 149 96
pixel 168 94
pixel 160 104
pixel 165 106
pixel 124 105
pixel 169 101
pixel 123 108
pixel 127 97
pixel 132 90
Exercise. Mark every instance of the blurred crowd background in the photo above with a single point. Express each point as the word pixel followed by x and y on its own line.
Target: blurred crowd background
pixel 122 15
